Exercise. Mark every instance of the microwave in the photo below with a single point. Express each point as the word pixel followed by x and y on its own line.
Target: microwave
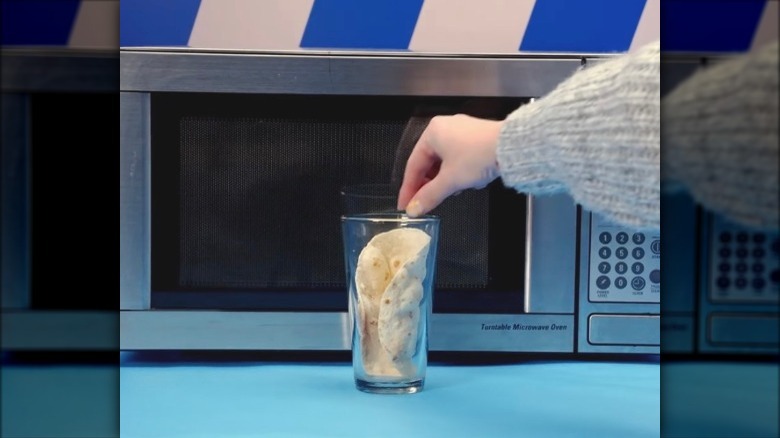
pixel 231 169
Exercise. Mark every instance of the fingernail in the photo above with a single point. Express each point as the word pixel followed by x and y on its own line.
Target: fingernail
pixel 414 208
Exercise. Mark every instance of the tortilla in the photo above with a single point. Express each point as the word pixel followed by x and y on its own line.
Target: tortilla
pixel 389 278
pixel 371 278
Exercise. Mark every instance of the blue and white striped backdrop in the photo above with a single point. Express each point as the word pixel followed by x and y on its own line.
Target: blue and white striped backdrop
pixel 448 26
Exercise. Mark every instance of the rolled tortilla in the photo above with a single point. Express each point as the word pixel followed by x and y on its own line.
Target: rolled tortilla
pixel 371 278
pixel 389 278
pixel 399 314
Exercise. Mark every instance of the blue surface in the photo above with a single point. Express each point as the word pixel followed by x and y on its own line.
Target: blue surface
pixel 358 24
pixel 590 26
pixel 721 26
pixel 37 22
pixel 533 400
pixel 156 23
pixel 59 401
pixel 698 399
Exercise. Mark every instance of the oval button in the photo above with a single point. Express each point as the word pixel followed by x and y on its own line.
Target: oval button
pixel 655 276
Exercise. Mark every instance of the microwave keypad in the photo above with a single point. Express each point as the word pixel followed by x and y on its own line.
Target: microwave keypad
pixel 625 265
pixel 744 265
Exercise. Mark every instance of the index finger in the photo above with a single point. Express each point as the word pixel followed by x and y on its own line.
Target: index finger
pixel 421 161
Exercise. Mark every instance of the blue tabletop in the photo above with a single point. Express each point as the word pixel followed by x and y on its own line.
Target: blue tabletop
pixel 320 400
pixel 220 399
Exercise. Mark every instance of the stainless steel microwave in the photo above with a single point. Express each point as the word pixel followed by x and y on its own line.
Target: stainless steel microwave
pixel 231 168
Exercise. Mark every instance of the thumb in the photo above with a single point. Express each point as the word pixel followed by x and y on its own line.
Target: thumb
pixel 430 195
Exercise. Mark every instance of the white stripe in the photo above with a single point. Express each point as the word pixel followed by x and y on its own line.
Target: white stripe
pixel 767 27
pixel 471 26
pixel 649 27
pixel 96 25
pixel 250 24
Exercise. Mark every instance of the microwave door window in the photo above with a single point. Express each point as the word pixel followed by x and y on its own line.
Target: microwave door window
pixel 247 201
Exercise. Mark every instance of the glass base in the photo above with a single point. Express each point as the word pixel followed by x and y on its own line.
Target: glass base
pixel 390 387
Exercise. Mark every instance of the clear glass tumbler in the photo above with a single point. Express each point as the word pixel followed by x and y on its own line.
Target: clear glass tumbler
pixel 390 260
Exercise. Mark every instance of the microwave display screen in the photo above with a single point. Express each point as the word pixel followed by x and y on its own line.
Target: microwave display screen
pixel 247 200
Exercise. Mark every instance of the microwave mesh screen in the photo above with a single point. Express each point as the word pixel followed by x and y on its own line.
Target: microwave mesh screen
pixel 260 202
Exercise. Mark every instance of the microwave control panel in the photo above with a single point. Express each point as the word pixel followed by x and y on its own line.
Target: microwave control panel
pixel 744 265
pixel 625 265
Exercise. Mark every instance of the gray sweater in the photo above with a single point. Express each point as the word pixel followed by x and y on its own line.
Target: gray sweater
pixel 598 134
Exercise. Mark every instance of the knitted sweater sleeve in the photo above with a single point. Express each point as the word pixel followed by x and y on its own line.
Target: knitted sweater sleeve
pixel 720 137
pixel 597 136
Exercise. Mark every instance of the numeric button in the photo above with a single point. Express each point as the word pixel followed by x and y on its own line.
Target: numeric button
pixel 638 238
pixel 620 282
pixel 605 237
pixel 638 253
pixel 621 238
pixel 605 252
pixel 621 252
pixel 621 268
pixel 604 267
pixel 637 268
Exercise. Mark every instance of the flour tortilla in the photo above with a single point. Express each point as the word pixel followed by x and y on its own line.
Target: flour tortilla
pixel 371 278
pixel 399 313
pixel 389 278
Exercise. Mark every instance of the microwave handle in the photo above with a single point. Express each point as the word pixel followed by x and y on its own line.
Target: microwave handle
pixel 134 202
pixel 550 254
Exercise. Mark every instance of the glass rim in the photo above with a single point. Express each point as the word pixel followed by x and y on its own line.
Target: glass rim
pixel 389 217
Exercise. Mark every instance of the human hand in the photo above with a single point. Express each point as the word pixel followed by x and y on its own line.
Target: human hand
pixel 454 153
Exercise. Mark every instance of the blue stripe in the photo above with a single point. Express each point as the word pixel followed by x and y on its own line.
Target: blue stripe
pixel 156 22
pixel 709 26
pixel 37 22
pixel 359 24
pixel 582 26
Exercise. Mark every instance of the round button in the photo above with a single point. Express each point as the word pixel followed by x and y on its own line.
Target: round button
pixel 655 247
pixel 774 276
pixel 638 238
pixel 740 283
pixel 637 268
pixel 724 253
pixel 758 268
pixel 638 253
pixel 638 283
pixel 655 276
pixel 741 252
pixel 621 252
pixel 723 282
pixel 759 283
pixel 725 237
pixel 604 267
pixel 602 282
pixel 776 246
pixel 620 282
pixel 759 253
pixel 741 267
pixel 621 268
pixel 605 252
pixel 724 267
pixel 742 237
pixel 621 238
pixel 759 238
pixel 605 237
